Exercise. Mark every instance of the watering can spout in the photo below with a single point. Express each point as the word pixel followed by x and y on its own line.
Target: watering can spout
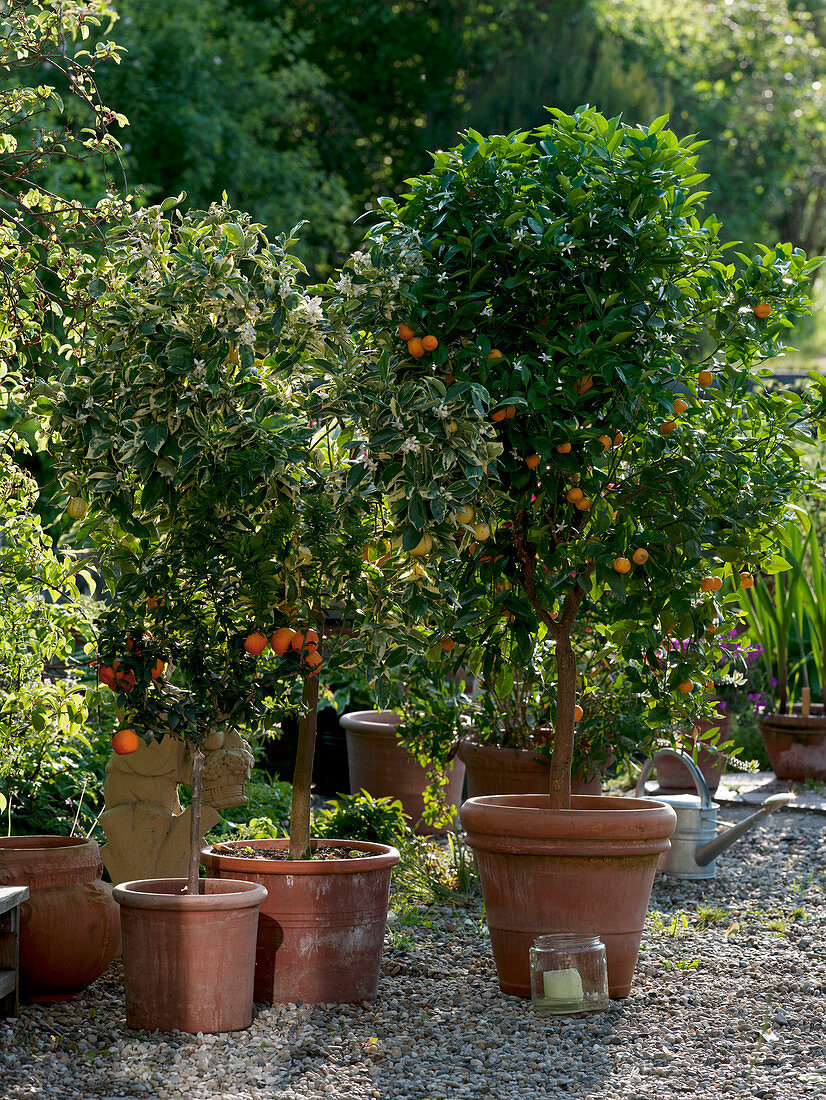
pixel 713 848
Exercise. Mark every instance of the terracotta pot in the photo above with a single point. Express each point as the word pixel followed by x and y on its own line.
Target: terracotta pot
pixel 494 770
pixel 321 928
pixel 189 959
pixel 69 927
pixel 380 765
pixel 796 745
pixel 674 776
pixel 588 869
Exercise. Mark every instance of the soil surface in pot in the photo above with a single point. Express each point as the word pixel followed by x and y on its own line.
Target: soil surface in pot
pixel 320 854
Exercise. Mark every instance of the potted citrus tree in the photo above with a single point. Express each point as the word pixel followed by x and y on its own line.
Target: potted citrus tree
pixel 566 275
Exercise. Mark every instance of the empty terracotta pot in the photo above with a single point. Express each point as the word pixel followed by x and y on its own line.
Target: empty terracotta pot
pixel 672 775
pixel 69 927
pixel 321 928
pixel 380 765
pixel 796 746
pixel 189 959
pixel 494 770
pixel 588 869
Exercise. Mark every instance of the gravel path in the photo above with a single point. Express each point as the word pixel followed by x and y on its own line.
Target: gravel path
pixel 729 1000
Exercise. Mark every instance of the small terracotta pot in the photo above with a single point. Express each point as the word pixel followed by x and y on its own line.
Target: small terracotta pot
pixel 321 928
pixel 587 870
pixel 189 959
pixel 674 776
pixel 796 745
pixel 494 770
pixel 69 927
pixel 380 765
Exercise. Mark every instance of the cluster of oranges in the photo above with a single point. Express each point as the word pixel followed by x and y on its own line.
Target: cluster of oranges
pixel 286 640
pixel 115 676
pixel 417 346
pixel 639 557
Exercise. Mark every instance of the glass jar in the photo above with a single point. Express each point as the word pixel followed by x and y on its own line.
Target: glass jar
pixel 568 974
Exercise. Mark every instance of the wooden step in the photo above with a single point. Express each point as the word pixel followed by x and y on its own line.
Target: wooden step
pixel 8 982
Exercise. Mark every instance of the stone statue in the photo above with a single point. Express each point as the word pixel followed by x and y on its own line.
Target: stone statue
pixel 147 832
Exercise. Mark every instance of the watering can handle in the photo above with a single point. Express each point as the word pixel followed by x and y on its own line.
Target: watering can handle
pixel 696 775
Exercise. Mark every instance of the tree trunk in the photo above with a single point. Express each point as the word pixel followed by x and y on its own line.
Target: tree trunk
pixel 195 818
pixel 303 775
pixel 563 754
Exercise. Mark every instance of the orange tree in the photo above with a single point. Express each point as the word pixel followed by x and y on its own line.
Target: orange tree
pixel 217 459
pixel 568 281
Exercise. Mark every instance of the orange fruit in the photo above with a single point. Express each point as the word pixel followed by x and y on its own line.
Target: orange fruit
pixel 415 347
pixel 448 379
pixel 746 580
pixel 619 439
pixel 583 504
pixel 155 601
pixel 430 343
pixel 705 378
pixel 563 449
pixel 158 669
pixel 255 643
pixel 667 427
pixel 708 584
pixel 510 412
pixel 710 685
pixel 718 583
pixel 112 677
pixel 578 713
pixel 281 640
pixel 680 406
pixel 494 354
pixel 686 686
pixel 307 641
pixel 447 644
pixel 606 442
pixel 762 309
pixel 481 531
pixel 77 507
pixel 532 461
pixel 582 385
pixel 312 660
pixel 499 415
pixel 125 741
pixel 622 565
pixel 640 556
pixel 422 547
pixel 574 495
pixel 508 616
pixel 406 332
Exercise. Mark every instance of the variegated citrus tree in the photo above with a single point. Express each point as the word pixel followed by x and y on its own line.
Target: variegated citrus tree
pixel 220 453
pixel 564 278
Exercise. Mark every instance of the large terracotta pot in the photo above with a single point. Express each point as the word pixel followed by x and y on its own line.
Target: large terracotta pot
pixel 69 928
pixel 494 770
pixel 796 745
pixel 674 776
pixel 189 959
pixel 321 928
pixel 588 869
pixel 380 765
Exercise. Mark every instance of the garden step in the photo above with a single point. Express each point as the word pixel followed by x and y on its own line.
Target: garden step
pixel 11 897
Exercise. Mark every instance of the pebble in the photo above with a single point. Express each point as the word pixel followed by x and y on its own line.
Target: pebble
pixel 733 1009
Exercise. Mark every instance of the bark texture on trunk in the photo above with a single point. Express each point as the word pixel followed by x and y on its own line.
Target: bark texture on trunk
pixel 563 754
pixel 303 774
pixel 195 818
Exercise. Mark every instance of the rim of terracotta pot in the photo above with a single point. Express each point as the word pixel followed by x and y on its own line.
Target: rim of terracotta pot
pixel 379 857
pixel 794 723
pixel 45 843
pixel 166 894
pixel 591 817
pixel 371 721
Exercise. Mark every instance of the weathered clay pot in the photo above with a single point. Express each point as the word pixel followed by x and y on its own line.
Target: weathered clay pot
pixel 796 745
pixel 588 869
pixel 321 928
pixel 494 770
pixel 69 927
pixel 189 959
pixel 674 776
pixel 380 765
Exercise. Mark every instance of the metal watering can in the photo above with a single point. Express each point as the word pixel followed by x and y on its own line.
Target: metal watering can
pixel 695 844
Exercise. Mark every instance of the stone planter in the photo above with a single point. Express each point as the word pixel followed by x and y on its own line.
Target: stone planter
pixel 69 927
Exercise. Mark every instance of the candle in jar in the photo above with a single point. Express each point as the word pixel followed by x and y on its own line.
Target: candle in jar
pixel 562 985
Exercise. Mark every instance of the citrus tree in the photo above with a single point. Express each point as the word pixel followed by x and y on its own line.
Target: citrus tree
pixel 565 278
pixel 217 460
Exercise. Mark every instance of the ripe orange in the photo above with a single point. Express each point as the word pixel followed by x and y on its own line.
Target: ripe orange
pixel 112 677
pixel 281 640
pixel 415 347
pixel 619 439
pixel 746 580
pixel 606 442
pixel 622 565
pixel 708 584
pixel 312 660
pixel 125 741
pixel 686 686
pixel 705 378
pixel 574 495
pixel 499 415
pixel 406 332
pixel 307 641
pixel 430 343
pixel 563 449
pixel 494 354
pixel 582 385
pixel 447 644
pixel 762 309
pixel 680 406
pixel 583 504
pixel 667 427
pixel 532 461
pixel 710 685
pixel 155 601
pixel 255 643
pixel 718 583
pixel 158 669
pixel 578 713
pixel 640 556
pixel 510 412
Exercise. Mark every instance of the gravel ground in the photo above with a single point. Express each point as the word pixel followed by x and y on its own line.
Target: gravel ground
pixel 729 1000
